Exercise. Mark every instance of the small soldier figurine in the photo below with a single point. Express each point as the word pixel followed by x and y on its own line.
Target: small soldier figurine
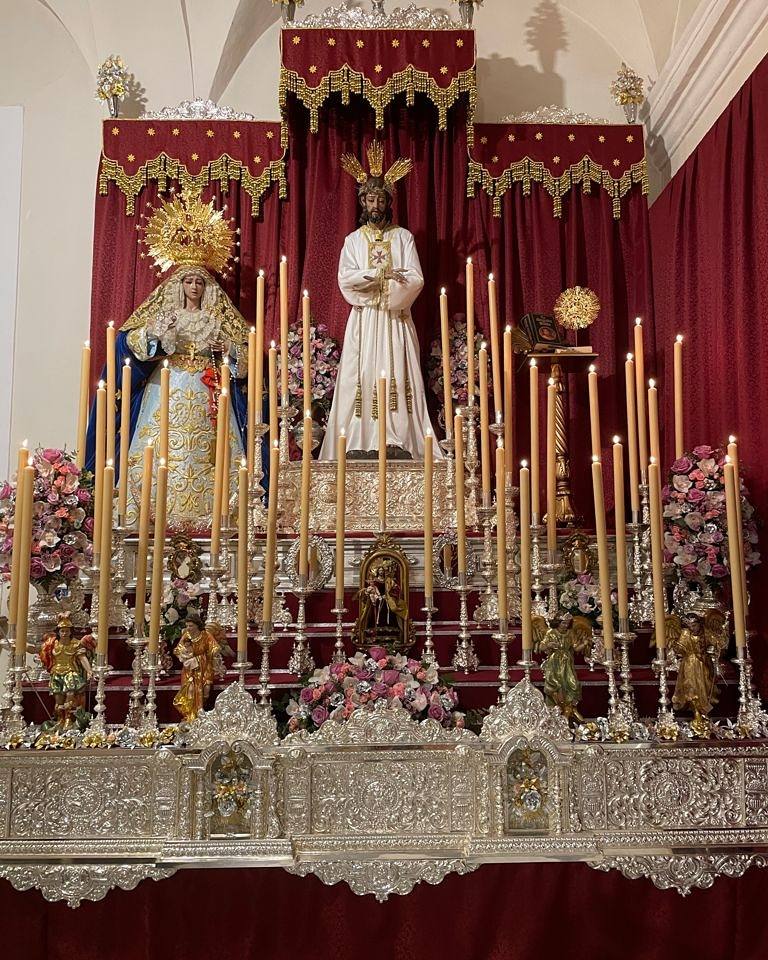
pixel 68 661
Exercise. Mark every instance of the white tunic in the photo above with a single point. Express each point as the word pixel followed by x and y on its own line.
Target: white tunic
pixel 380 339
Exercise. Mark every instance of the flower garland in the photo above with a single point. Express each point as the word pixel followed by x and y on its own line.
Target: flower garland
pixel 333 692
pixel 695 526
pixel 62 521
pixel 579 596
pixel 325 356
pixel 457 334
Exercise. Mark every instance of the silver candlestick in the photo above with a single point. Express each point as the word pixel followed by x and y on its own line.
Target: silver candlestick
pixel 301 661
pixel 469 413
pixel 666 727
pixel 752 719
pixel 149 723
pixel 513 566
pixel 527 663
pixel 16 721
pixel 641 606
pixel 487 609
pixel 266 640
pixel 447 446
pixel 286 412
pixel 550 572
pixel 625 638
pixel 339 653
pixel 429 610
pixel 101 670
pixel 242 667
pixel 502 638
pixel 137 643
pixel 465 658
pixel 257 514
pixel 539 604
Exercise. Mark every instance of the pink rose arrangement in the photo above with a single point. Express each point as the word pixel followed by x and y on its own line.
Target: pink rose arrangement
pixel 695 525
pixel 333 692
pixel 325 354
pixel 579 596
pixel 457 334
pixel 62 523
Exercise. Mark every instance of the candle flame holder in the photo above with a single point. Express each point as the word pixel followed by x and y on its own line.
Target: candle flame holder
pixel 242 667
pixel 752 719
pixel 465 658
pixel 469 413
pixel 339 653
pixel 502 638
pixel 149 722
pixel 266 641
pixel 429 610
pixel 101 671
pixel 301 661
pixel 487 609
pixel 527 663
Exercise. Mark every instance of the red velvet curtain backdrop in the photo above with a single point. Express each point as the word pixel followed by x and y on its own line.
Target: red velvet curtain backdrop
pixel 710 249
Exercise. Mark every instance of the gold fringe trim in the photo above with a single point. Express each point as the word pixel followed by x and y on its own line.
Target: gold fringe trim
pixel 586 172
pixel 409 81
pixel 164 168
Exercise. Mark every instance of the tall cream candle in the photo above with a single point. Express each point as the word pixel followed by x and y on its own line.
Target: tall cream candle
pixel 111 390
pixel 273 423
pixel 657 555
pixel 142 551
pixel 82 407
pixel 551 469
pixel 125 439
pixel 461 522
pixel 271 551
pixel 634 471
pixel 13 595
pixel 621 530
pixel 165 401
pixel 445 342
pixel 525 557
pixel 493 308
pixel 105 571
pixel 733 453
pixel 158 551
pixel 534 470
pixel 258 387
pixel 485 435
pixel 242 561
pixel 284 331
pixel 23 532
pixel 470 283
pixel 382 413
pixel 341 507
pixel 225 373
pixel 218 476
pixel 734 556
pixel 509 393
pixel 679 408
pixel 99 464
pixel 653 419
pixel 251 394
pixel 602 553
pixel 306 478
pixel 642 425
pixel 501 533
pixel 594 412
pixel 429 493
pixel 306 349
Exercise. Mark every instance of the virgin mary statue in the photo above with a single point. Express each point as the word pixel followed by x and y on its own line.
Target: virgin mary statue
pixel 190 322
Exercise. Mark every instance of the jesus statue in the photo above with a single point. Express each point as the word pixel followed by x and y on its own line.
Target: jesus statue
pixel 380 277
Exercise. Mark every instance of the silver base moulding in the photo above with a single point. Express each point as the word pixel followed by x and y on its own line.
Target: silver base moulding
pixel 381 802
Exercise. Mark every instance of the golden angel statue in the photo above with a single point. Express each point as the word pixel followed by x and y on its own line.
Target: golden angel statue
pixel 380 277
pixel 561 684
pixel 197 650
pixel 68 660
pixel 698 641
pixel 189 322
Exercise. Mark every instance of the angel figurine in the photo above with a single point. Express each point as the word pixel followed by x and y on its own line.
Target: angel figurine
pixel 698 641
pixel 561 685
pixel 68 660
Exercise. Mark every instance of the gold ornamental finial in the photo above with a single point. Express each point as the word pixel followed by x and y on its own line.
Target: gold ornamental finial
pixel 577 308
pixel 185 231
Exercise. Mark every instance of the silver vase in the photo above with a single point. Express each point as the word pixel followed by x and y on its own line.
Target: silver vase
pixel 466 12
pixel 114 106
pixel 288 9
pixel 630 112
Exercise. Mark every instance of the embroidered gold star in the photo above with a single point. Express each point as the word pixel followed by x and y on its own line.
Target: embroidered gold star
pixel 571 137
pixel 555 159
pixel 630 139
pixel 539 135
pixel 175 131
pixel 270 134
pixel 331 41
pixel 313 68
pixel 601 138
pixel 296 40
pixel 236 134
pixel 459 42
pixel 395 44
pixel 151 132
pixel 494 159
pixel 425 43
pixel 257 159
pixel 483 139
pixel 615 163
pixel 195 156
pixel 209 133
pixel 360 44
pixel 115 131
pixel 511 138
pixel 443 70
pixel 378 68
pixel 131 158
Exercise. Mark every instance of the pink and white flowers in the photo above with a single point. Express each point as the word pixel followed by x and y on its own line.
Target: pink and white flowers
pixel 325 355
pixel 333 692
pixel 457 334
pixel 695 526
pixel 62 523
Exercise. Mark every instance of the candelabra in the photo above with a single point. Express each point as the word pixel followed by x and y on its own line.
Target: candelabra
pixel 487 609
pixel 101 670
pixel 537 567
pixel 752 719
pixel 137 643
pixel 513 564
pixel 16 720
pixel 502 638
pixel 300 661
pixel 227 584
pixel 429 610
pixel 447 446
pixel 214 573
pixel 667 727
pixel 119 615
pixel 339 653
pixel 465 657
pixel 149 723
pixel 469 412
pixel 641 606
pixel 625 638
pixel 266 640
pixel 616 715
pixel 257 514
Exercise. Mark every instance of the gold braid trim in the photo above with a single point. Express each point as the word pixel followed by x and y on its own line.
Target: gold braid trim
pixel 410 81
pixel 586 172
pixel 164 168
